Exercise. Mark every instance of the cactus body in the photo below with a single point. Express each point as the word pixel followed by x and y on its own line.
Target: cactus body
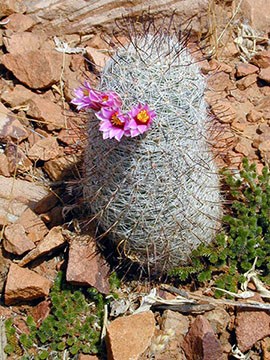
pixel 157 194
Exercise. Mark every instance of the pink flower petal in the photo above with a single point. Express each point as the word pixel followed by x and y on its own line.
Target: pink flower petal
pixel 138 125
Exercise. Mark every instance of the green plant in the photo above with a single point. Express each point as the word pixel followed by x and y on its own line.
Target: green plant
pixel 73 326
pixel 245 234
pixel 157 194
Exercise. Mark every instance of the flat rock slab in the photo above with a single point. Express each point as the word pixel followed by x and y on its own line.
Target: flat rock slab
pixel 50 114
pixel 261 59
pixel 19 22
pixel 256 13
pixel 44 149
pixel 52 241
pixel 251 326
pixel 33 225
pixel 25 285
pixel 24 191
pixel 10 127
pixel 16 240
pixel 129 336
pixel 86 266
pixel 20 43
pixel 16 196
pixel 36 69
pixel 53 14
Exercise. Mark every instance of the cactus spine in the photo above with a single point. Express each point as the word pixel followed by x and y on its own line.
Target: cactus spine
pixel 156 194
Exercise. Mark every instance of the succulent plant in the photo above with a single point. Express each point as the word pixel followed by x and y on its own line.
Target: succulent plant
pixel 245 238
pixel 156 195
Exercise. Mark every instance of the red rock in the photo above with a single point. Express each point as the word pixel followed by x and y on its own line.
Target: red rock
pixel 224 111
pixel 20 324
pixel 37 69
pixel 49 114
pixel 73 133
pixel 97 57
pixel 41 311
pixel 16 240
pixel 18 162
pixel 24 285
pixel 37 135
pixel 5 312
pixel 87 19
pixel 10 211
pixel 252 94
pixel 54 217
pixel 176 322
pixel 256 13
pixel 204 66
pixel 73 82
pixel 218 319
pixel 19 22
pixel 251 326
pixel 265 75
pixel 46 203
pixel 4 266
pixel 4 169
pixel 87 357
pixel 34 226
pixel 264 128
pixel 264 148
pixel 27 192
pixel 254 116
pixel 250 131
pixel 230 50
pixel 238 95
pixel 17 96
pixel 264 106
pixel 266 348
pixel 22 42
pixel 261 59
pixel 62 167
pixel 129 336
pixel 10 127
pixel 265 90
pixel 201 342
pixel 244 69
pixel 16 196
pixel 86 266
pixel 98 43
pixel 247 81
pixel 220 81
pixel 1 39
pixel 52 241
pixel 258 139
pixel 243 109
pixel 243 146
pixel 75 76
pixel 44 149
pixel 12 6
pixel 217 66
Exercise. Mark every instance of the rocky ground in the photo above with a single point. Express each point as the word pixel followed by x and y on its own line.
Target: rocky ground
pixel 42 139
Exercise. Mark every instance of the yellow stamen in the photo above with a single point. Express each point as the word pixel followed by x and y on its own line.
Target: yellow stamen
pixel 85 92
pixel 105 98
pixel 115 120
pixel 143 116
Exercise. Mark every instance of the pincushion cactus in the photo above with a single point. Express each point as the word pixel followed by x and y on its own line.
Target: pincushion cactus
pixel 156 195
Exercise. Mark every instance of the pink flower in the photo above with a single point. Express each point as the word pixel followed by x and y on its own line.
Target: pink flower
pixel 141 118
pixel 113 123
pixel 108 99
pixel 86 97
pixel 82 99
